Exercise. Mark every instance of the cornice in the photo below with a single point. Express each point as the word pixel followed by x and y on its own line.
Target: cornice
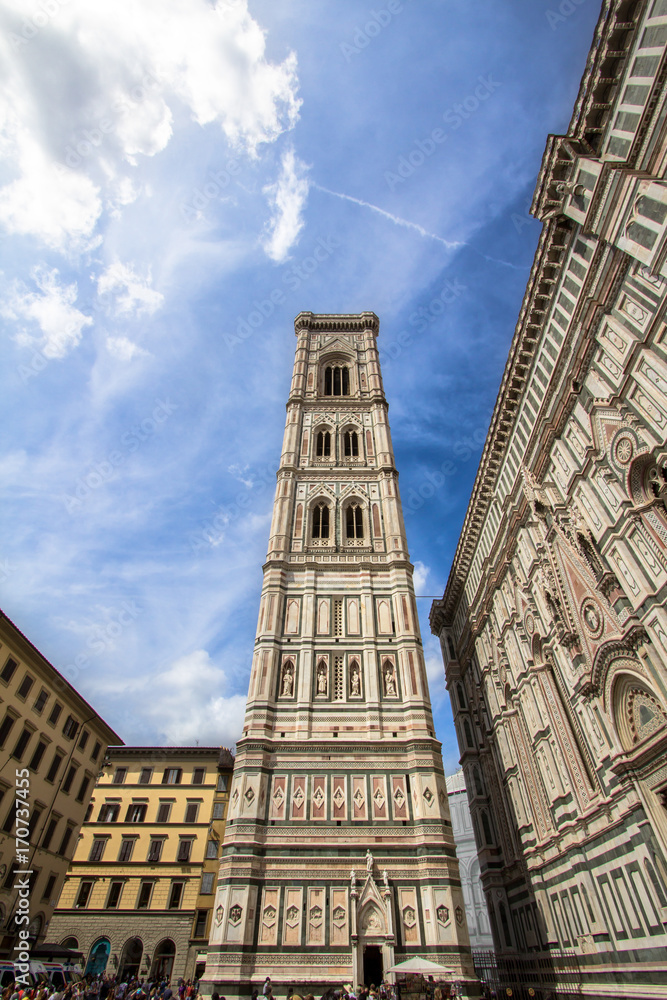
pixel 336 323
pixel 551 248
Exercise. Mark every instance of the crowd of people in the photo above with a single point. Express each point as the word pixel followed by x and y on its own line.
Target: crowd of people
pixel 105 987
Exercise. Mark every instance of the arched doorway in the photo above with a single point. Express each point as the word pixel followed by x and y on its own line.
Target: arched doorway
pixel 98 958
pixel 163 959
pixel 130 959
pixel 373 970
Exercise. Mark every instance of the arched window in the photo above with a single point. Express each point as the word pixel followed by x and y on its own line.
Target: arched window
pixel 323 447
pixel 321 521
pixel 351 444
pixel 354 527
pixel 486 826
pixel 336 381
pixel 468 734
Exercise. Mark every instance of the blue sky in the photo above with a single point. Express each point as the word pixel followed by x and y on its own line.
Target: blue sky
pixel 173 169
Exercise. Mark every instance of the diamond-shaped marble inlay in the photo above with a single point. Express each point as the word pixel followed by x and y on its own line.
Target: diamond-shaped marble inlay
pixel 269 915
pixel 339 916
pixel 338 797
pixel 442 913
pixel 292 916
pixel 278 796
pixel 379 798
pixel 219 913
pixel 409 916
pixel 235 797
pixel 399 798
pixel 235 914
pixel 428 795
pixel 298 798
pixel 318 797
pixel 459 915
pixel 316 916
pixel 359 798
pixel 441 796
pixel 249 795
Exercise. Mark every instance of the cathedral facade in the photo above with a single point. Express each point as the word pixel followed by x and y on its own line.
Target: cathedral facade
pixel 553 624
pixel 338 859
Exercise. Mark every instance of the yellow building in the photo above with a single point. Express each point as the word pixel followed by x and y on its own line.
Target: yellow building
pixel 53 745
pixel 140 889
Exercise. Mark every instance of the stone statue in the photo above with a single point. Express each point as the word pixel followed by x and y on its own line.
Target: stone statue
pixel 321 679
pixel 385 878
pixel 353 880
pixel 389 680
pixel 369 862
pixel 355 686
pixel 287 688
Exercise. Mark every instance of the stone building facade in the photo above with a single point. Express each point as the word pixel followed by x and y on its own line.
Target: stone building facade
pixel 338 857
pixel 138 895
pixel 53 744
pixel 553 623
pixel 477 914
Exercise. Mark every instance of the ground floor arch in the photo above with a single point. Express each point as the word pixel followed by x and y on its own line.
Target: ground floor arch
pixel 163 959
pixel 130 959
pixel 98 957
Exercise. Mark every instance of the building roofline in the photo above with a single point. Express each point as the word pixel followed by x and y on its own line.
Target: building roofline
pixel 65 683
pixel 336 322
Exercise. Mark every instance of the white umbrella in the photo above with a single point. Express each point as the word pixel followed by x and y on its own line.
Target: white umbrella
pixel 422 965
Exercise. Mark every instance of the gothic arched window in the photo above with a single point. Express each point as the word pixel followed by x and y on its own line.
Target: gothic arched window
pixel 321 521
pixel 323 446
pixel 351 444
pixel 354 525
pixel 336 380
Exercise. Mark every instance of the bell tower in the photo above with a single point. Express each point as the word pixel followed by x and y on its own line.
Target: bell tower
pixel 338 859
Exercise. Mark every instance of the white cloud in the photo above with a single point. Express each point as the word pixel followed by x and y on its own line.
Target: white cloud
pixel 52 309
pixel 187 702
pixel 133 294
pixel 129 76
pixel 287 198
pixel 125 349
pixel 420 576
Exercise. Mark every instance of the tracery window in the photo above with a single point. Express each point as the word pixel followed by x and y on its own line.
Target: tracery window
pixel 336 380
pixel 321 521
pixel 351 444
pixel 323 446
pixel 354 526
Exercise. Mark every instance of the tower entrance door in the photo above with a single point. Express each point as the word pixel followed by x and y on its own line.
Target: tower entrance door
pixel 372 964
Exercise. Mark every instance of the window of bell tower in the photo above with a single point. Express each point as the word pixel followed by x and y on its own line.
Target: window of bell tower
pixel 321 521
pixel 351 444
pixel 336 380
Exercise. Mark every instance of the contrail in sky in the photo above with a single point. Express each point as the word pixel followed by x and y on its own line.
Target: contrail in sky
pixel 451 245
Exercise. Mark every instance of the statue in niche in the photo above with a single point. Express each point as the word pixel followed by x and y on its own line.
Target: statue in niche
pixel 369 862
pixel 322 679
pixel 389 680
pixel 287 687
pixel 591 617
pixel 355 681
pixel 353 880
